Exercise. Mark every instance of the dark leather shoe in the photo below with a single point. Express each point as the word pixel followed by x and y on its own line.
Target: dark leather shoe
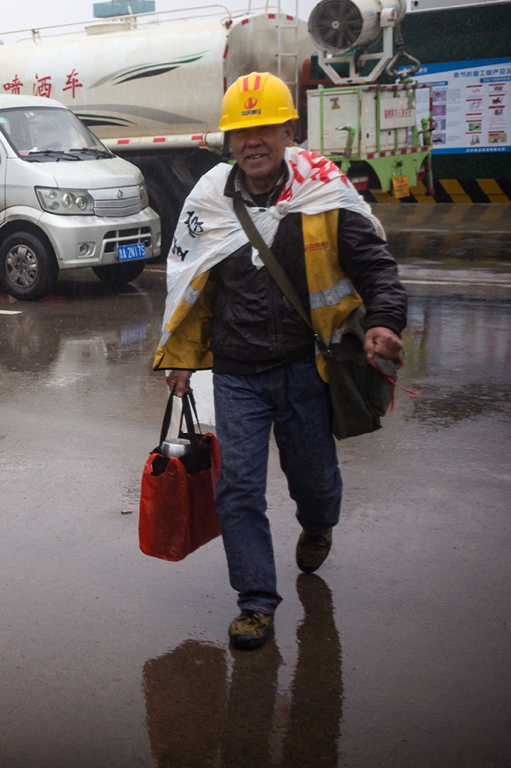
pixel 312 551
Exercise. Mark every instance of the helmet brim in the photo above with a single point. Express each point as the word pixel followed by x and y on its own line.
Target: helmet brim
pixel 236 126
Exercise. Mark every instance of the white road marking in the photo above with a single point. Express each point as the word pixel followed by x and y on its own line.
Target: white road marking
pixel 11 312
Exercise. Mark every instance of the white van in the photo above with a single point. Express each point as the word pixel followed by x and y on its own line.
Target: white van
pixel 66 202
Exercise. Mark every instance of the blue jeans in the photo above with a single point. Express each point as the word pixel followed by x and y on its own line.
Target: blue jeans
pixel 293 398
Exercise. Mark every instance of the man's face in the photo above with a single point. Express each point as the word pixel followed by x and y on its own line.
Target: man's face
pixel 259 151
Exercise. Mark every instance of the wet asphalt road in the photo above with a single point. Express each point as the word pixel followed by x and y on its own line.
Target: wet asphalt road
pixel 396 654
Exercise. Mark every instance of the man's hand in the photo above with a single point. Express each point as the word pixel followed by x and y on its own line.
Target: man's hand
pixel 382 342
pixel 181 381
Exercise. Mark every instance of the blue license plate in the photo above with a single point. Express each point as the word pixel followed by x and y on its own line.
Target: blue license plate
pixel 131 252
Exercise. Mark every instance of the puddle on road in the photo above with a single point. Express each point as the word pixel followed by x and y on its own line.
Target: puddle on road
pixel 451 344
pixel 78 597
pixel 209 708
pixel 458 354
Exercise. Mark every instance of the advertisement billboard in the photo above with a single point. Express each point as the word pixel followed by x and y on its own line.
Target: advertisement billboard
pixel 470 105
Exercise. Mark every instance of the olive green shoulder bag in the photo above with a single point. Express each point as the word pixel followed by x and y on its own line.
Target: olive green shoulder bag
pixel 361 391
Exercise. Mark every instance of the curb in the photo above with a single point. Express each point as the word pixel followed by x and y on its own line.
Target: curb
pixel 447 231
pixel 460 246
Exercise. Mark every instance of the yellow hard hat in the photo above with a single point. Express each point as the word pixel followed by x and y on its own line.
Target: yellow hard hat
pixel 257 99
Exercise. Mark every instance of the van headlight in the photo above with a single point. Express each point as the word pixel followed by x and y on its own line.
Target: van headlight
pixel 65 201
pixel 144 198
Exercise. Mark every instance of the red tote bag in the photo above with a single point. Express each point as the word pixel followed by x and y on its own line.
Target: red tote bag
pixel 177 501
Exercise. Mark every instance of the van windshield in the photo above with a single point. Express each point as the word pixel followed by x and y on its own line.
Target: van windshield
pixel 40 134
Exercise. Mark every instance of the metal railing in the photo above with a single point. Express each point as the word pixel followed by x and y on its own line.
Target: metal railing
pixel 138 21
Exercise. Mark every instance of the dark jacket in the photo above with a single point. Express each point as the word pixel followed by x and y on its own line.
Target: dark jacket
pixel 254 323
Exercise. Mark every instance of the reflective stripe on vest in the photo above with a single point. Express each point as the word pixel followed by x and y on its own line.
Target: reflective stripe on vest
pixel 331 293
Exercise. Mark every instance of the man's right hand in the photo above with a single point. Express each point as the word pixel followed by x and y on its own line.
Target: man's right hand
pixel 181 381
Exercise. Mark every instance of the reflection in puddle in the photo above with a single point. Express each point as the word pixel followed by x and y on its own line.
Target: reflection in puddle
pixel 132 334
pixel 186 695
pixel 197 717
pixel 44 339
pixel 458 353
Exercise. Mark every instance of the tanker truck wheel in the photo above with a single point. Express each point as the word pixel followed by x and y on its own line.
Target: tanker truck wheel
pixel 117 275
pixel 28 267
pixel 167 208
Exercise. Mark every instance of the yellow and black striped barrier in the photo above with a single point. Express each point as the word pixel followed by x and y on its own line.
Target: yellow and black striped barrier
pixel 450 191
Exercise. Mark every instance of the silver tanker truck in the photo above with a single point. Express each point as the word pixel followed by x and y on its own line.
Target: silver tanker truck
pixel 150 87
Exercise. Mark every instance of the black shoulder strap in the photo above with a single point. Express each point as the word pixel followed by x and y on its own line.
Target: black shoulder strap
pixel 273 266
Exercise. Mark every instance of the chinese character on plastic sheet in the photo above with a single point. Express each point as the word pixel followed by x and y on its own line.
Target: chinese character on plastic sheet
pixel 72 82
pixel 42 86
pixel 176 249
pixel 469 74
pixel 456 74
pixel 463 74
pixel 15 86
pixel 194 225
pixel 476 72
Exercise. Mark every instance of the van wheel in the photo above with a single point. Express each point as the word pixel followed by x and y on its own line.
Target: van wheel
pixel 117 275
pixel 28 268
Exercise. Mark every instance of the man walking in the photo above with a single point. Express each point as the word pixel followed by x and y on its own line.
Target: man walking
pixel 224 311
